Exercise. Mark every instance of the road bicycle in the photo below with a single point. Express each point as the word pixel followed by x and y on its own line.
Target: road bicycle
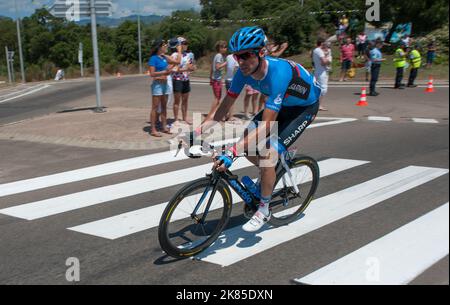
pixel 198 213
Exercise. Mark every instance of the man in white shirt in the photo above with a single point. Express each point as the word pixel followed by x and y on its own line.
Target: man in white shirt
pixel 232 66
pixel 322 65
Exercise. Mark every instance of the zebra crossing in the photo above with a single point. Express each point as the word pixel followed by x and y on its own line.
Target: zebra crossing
pixel 430 232
pixel 404 254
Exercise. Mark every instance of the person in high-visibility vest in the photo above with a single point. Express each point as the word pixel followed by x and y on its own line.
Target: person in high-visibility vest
pixel 400 64
pixel 416 61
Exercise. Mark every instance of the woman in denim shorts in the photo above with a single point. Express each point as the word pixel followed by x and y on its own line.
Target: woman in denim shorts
pixel 159 70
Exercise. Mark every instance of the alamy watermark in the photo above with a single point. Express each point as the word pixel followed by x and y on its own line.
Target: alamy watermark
pixel 73 272
pixel 262 145
pixel 373 12
pixel 73 11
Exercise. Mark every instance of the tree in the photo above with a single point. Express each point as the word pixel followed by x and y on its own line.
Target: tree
pixel 125 40
pixel 296 26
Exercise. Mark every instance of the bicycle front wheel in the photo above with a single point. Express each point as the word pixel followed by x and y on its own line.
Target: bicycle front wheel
pixel 287 204
pixel 185 231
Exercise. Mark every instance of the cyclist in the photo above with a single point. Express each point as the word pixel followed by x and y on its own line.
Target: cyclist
pixel 292 102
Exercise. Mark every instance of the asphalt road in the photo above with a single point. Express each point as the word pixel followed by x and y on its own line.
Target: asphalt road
pixel 44 226
pixel 56 97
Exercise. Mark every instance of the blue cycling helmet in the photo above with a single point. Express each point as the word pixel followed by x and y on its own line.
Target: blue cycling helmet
pixel 247 38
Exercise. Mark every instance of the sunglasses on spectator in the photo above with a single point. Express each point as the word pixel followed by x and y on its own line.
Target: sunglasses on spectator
pixel 245 56
pixel 184 43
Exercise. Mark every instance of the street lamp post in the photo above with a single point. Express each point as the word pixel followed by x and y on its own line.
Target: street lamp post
pixel 19 38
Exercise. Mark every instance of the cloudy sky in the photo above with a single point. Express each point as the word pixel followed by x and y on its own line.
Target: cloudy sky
pixel 120 7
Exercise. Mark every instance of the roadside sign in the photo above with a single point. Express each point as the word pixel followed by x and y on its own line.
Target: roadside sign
pixel 80 54
pixel 11 55
pixel 73 10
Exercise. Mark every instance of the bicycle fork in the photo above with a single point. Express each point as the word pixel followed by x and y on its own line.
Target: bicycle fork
pixel 194 216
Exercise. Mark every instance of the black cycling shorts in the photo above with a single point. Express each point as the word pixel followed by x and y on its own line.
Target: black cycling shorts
pixel 180 86
pixel 292 122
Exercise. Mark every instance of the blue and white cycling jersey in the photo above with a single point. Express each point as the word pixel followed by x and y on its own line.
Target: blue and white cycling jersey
pixel 286 84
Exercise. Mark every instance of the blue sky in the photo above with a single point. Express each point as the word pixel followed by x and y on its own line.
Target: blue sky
pixel 120 7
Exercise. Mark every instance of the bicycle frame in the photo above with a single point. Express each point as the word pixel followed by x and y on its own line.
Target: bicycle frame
pixel 233 182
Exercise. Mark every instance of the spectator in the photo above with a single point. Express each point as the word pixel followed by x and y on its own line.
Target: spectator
pixel 60 75
pixel 361 44
pixel 376 58
pixel 232 66
pixel 250 94
pixel 431 53
pixel 400 64
pixel 347 53
pixel 406 40
pixel 181 82
pixel 275 50
pixel 416 61
pixel 344 21
pixel 159 70
pixel 322 65
pixel 367 58
pixel 217 66
pixel 342 27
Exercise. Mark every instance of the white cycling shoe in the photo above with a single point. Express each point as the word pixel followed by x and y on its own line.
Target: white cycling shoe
pixel 256 222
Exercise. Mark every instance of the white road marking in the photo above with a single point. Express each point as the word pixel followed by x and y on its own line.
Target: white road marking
pixel 235 244
pixel 89 172
pixel 38 88
pixel 57 205
pixel 394 259
pixel 426 121
pixel 379 118
pixel 147 218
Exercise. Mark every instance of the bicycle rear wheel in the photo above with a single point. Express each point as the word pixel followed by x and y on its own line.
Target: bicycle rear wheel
pixel 181 233
pixel 286 204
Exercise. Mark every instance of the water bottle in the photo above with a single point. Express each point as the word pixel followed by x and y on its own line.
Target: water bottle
pixel 251 186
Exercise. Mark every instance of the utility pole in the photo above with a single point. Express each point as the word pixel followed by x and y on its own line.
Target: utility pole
pixel 19 38
pixel 99 108
pixel 139 38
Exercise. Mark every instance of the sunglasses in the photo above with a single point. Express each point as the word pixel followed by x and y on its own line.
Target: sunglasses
pixel 245 56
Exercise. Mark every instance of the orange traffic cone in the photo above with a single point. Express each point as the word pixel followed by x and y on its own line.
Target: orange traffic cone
pixel 119 75
pixel 430 87
pixel 363 98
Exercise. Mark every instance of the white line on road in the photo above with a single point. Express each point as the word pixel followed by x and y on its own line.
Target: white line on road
pixel 395 259
pixel 89 172
pixel 37 88
pixel 425 121
pixel 147 218
pixel 235 244
pixel 57 205
pixel 379 118
pixel 333 121
pixel 32 184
